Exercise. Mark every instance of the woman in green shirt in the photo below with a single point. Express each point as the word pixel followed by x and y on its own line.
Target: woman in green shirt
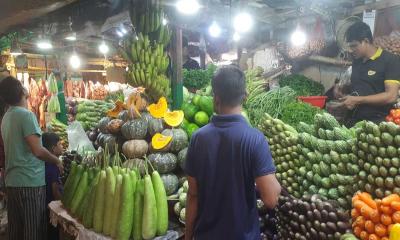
pixel 25 157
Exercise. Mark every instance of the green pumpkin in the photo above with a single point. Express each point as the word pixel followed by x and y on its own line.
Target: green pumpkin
pixel 171 183
pixel 163 162
pixel 138 163
pixel 155 126
pixel 107 140
pixel 146 116
pixel 135 129
pixel 182 158
pixel 124 116
pixel 103 124
pixel 179 139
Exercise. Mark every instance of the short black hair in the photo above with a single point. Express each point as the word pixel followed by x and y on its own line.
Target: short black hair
pixel 229 84
pixel 50 140
pixel 359 31
pixel 11 91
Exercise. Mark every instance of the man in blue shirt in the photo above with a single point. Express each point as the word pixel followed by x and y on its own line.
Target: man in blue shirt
pixel 225 160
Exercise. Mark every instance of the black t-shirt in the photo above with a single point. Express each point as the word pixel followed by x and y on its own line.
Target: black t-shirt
pixel 225 157
pixel 369 78
pixel 191 64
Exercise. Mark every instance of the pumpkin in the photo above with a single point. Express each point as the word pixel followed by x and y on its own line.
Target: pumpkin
pixel 124 116
pixel 103 124
pixel 138 163
pixel 114 126
pixel 174 118
pixel 107 140
pixel 159 141
pixel 171 183
pixel 179 139
pixel 155 126
pixel 119 107
pixel 158 110
pixel 182 158
pixel 147 116
pixel 135 148
pixel 135 129
pixel 163 162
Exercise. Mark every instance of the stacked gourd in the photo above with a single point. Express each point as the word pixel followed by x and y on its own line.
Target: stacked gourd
pixel 378 149
pixel 117 202
pixel 146 52
pixel 147 132
pixel 90 112
pixel 282 139
pixel 180 206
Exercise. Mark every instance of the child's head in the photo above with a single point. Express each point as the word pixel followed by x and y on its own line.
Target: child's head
pixel 51 142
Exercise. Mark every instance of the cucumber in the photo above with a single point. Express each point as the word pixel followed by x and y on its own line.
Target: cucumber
pixel 116 205
pixel 98 214
pixel 80 193
pixel 162 204
pixel 149 225
pixel 138 213
pixel 109 199
pixel 125 219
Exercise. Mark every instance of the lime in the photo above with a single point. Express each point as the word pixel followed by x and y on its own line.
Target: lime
pixel 196 100
pixel 191 128
pixel 201 118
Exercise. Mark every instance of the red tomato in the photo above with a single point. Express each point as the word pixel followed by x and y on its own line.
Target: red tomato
pixel 396 114
pixel 397 121
pixel 389 119
pixel 393 111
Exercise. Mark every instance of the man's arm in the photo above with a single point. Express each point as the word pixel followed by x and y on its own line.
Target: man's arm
pixel 42 153
pixel 387 97
pixel 55 187
pixel 191 208
pixel 269 189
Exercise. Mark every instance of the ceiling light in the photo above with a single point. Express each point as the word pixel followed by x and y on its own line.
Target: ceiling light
pixel 44 44
pixel 298 37
pixel 15 50
pixel 188 7
pixel 75 61
pixel 119 33
pixel 243 22
pixel 103 48
pixel 214 30
pixel 71 37
pixel 236 37
pixel 164 21
pixel 123 30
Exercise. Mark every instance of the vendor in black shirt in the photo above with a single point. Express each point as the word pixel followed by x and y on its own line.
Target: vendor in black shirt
pixel 188 62
pixel 375 77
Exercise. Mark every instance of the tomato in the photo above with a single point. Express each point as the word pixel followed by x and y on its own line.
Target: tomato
pixel 389 119
pixel 396 114
pixel 397 121
pixel 393 111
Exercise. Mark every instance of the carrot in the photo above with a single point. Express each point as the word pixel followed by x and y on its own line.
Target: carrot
pixel 386 220
pixel 357 231
pixel 381 230
pixel 354 213
pixel 374 216
pixel 367 199
pixel 395 205
pixel 389 199
pixel 366 211
pixel 373 237
pixel 364 235
pixel 369 226
pixel 386 209
pixel 358 204
pixel 360 222
pixel 396 217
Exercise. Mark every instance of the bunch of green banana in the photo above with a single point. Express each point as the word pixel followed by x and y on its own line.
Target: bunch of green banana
pixel 156 85
pixel 148 21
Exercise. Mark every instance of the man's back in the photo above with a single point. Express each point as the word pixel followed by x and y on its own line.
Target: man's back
pixel 225 157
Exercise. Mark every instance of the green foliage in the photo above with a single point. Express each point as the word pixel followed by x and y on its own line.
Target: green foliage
pixel 302 85
pixel 199 78
pixel 297 112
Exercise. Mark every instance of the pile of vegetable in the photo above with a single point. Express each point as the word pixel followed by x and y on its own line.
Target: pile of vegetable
pixel 198 111
pixel 297 112
pixel 151 132
pixel 272 102
pixel 374 219
pixel 180 206
pixel 60 129
pixel 311 218
pixel 90 112
pixel 390 42
pixel 198 78
pixel 72 108
pixel 255 83
pixel 378 149
pixel 394 116
pixel 67 158
pixel 302 85
pixel 117 202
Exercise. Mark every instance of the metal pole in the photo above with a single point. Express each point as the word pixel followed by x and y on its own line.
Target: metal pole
pixel 177 62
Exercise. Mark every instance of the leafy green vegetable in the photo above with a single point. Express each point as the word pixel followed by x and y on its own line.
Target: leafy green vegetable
pixel 272 102
pixel 198 79
pixel 297 112
pixel 302 85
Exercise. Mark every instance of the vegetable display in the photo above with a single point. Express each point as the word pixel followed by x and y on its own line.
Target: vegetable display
pixel 60 129
pixel 377 150
pixel 374 219
pixel 198 78
pixel 394 116
pixel 297 112
pixel 302 85
pixel 311 218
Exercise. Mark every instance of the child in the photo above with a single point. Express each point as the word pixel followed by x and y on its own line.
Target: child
pixel 54 188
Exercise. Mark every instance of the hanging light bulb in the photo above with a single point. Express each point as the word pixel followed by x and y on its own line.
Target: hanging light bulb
pixel 243 22
pixel 236 37
pixel 75 61
pixel 214 30
pixel 103 48
pixel 44 43
pixel 188 7
pixel 298 37
pixel 71 37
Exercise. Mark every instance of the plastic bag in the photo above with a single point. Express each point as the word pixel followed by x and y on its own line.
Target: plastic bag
pixel 78 139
